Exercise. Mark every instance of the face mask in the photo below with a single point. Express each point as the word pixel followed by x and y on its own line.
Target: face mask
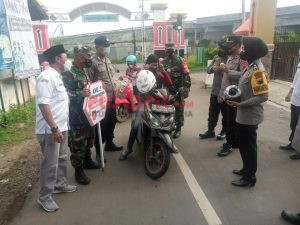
pixel 106 50
pixel 221 53
pixel 88 63
pixel 153 70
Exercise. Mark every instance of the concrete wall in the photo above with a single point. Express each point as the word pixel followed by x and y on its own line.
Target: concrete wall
pixel 7 87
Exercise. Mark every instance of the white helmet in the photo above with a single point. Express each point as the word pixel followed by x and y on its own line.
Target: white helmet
pixel 233 93
pixel 145 81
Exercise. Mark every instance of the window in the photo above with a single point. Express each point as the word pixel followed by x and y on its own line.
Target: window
pixel 160 35
pixel 170 34
pixel 40 39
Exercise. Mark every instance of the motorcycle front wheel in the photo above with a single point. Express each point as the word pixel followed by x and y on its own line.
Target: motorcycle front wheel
pixel 157 159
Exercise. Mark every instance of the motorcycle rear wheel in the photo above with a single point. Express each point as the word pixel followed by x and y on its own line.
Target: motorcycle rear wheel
pixel 157 159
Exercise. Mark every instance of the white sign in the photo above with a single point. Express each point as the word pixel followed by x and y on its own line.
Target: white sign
pixel 94 106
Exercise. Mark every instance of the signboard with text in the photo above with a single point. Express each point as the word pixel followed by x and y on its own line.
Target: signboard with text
pixel 94 106
pixel 19 25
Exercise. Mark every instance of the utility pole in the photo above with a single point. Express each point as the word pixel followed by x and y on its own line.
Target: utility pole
pixel 243 11
pixel 134 41
pixel 143 31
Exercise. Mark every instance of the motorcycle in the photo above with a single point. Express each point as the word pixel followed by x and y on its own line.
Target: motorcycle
pixel 156 125
pixel 125 101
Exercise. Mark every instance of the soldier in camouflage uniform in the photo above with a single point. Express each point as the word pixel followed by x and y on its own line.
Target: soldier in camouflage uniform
pixel 81 134
pixel 178 69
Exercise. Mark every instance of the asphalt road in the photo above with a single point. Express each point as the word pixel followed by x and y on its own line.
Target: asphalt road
pixel 196 189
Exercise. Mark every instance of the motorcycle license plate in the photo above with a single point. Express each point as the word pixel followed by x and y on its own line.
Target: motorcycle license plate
pixel 162 108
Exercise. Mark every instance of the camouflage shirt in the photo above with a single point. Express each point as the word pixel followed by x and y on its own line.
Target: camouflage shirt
pixel 74 81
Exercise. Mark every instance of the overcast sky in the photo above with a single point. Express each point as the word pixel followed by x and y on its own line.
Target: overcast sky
pixel 193 8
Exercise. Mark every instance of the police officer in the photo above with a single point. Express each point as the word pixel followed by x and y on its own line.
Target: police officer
pixel 254 87
pixel 177 67
pixel 52 114
pixel 216 107
pixel 81 134
pixel 103 70
pixel 233 70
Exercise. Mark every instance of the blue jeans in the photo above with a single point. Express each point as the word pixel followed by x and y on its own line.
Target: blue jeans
pixel 135 125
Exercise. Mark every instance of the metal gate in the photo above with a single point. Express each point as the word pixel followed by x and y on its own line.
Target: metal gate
pixel 285 60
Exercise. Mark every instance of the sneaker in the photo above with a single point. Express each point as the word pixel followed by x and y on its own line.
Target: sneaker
pixel 48 205
pixel 225 151
pixel 221 136
pixel 66 189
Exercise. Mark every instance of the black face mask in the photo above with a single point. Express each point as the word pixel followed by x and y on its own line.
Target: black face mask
pixel 222 53
pixel 153 70
pixel 245 56
pixel 88 63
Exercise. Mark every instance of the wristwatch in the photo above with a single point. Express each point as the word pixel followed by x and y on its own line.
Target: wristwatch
pixel 54 129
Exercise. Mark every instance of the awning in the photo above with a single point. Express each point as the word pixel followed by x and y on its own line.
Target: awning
pixel 243 29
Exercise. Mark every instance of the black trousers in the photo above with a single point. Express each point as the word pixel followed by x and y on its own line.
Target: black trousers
pixel 248 148
pixel 231 126
pixel 295 113
pixel 108 125
pixel 214 111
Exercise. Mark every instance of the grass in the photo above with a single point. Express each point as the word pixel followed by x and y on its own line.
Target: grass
pixel 17 124
pixel 192 63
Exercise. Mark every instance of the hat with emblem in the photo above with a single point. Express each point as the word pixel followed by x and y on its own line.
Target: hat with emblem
pixel 82 49
pixel 103 41
pixel 170 46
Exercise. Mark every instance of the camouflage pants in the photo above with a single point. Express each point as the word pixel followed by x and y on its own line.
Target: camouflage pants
pixel 179 111
pixel 80 143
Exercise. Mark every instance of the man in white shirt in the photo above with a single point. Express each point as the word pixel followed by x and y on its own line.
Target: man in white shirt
pixel 52 115
pixel 294 97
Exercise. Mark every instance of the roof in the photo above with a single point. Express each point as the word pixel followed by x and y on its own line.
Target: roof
pixel 243 29
pixel 37 12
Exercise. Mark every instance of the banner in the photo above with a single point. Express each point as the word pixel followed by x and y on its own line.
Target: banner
pixel 6 57
pixel 19 25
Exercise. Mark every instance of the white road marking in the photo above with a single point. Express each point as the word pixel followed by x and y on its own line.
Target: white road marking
pixel 202 201
pixel 278 106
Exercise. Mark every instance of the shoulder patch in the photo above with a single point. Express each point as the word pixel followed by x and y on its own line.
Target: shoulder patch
pixel 259 83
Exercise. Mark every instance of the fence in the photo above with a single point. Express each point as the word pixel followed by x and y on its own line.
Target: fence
pixel 285 60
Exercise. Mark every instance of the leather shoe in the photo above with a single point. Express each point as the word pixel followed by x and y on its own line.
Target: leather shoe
pixel 238 172
pixel 225 151
pixel 112 147
pixel 286 147
pixel 292 218
pixel 177 134
pixel 125 154
pixel 295 157
pixel 244 182
pixel 81 177
pixel 207 134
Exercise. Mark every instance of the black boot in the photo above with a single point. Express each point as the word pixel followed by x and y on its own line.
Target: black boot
pixel 177 133
pixel 80 176
pixel 244 182
pixel 125 154
pixel 221 136
pixel 292 218
pixel 207 134
pixel 109 147
pixel 89 164
pixel 225 151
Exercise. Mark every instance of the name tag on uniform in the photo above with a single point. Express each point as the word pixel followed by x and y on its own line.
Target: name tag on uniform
pixel 259 83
